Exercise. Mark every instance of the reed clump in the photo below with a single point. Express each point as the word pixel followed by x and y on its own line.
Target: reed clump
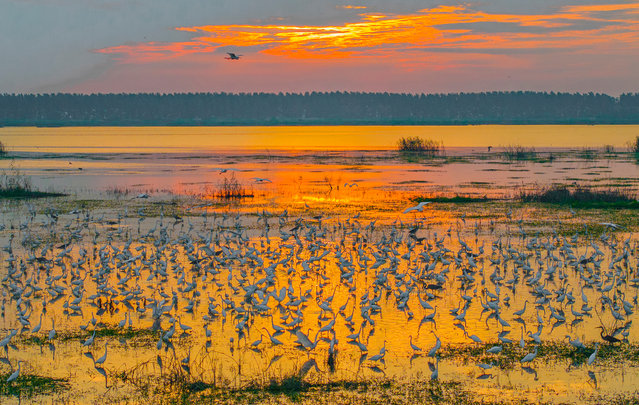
pixel 577 195
pixel 14 184
pixel 518 152
pixel 231 188
pixel 633 146
pixel 420 146
pixel 30 385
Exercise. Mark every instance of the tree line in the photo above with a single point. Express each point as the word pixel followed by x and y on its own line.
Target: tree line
pixel 329 108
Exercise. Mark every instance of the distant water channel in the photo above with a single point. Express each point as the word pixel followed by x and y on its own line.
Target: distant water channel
pixel 211 139
pixel 305 161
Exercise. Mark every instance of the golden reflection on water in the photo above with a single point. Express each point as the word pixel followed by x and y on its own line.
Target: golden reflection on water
pixel 202 139
pixel 324 190
pixel 321 281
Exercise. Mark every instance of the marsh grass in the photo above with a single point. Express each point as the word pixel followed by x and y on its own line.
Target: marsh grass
pixel 580 196
pixel 518 152
pixel 118 191
pixel 231 189
pixel 587 154
pixel 385 391
pixel 14 184
pixel 547 351
pixel 633 146
pixel 143 335
pixel 29 385
pixel 420 146
pixel 457 199
pixel 3 150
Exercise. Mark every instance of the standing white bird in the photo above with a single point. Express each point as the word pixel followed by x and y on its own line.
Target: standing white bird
pixel 412 346
pixel 104 356
pixel 593 356
pixel 52 332
pixel 530 356
pixel 37 328
pixel 438 344
pixel 15 374
pixel 90 340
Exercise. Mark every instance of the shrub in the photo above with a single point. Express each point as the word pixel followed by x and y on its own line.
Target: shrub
pixel 231 189
pixel 633 146
pixel 419 145
pixel 14 183
pixel 518 152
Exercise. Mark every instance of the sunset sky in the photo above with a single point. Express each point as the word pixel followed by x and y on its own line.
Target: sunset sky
pixel 324 45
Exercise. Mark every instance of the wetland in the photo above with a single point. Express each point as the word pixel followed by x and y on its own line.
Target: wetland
pixel 223 265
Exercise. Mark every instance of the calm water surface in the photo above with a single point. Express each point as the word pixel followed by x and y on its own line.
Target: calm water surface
pixel 212 139
pixel 339 190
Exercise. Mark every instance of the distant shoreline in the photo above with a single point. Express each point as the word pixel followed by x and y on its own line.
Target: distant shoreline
pixel 313 109
pixel 314 123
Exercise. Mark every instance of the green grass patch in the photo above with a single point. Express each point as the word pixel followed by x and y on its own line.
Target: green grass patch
pixel 512 353
pixel 29 385
pixel 14 184
pixel 23 193
pixel 581 196
pixel 379 392
pixel 518 152
pixel 115 333
pixel 458 199
pixel 587 154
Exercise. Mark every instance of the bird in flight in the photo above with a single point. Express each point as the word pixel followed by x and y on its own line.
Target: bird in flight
pixel 232 56
pixel 419 207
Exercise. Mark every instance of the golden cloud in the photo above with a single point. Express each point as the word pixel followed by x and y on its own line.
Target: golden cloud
pixel 443 28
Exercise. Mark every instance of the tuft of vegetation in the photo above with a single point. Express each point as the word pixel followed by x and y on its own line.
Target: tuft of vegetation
pixel 231 189
pixel 3 149
pixel 588 154
pixel 608 149
pixel 143 335
pixel 457 199
pixel 633 146
pixel 383 391
pixel 518 152
pixel 420 146
pixel 580 196
pixel 16 185
pixel 547 351
pixel 29 385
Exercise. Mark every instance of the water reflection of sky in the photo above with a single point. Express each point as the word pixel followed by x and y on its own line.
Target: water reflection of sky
pixel 335 187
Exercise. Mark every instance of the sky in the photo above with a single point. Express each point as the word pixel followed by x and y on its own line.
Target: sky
pixel 409 46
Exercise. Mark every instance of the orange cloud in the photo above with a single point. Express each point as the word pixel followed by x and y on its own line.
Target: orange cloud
pixel 443 28
pixel 349 7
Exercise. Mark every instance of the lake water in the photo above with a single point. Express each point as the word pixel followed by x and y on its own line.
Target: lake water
pixel 324 239
pixel 188 160
pixel 214 139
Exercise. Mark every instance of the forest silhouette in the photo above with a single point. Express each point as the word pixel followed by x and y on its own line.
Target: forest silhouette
pixel 317 108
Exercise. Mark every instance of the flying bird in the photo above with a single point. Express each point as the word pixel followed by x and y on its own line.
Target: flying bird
pixel 419 207
pixel 232 56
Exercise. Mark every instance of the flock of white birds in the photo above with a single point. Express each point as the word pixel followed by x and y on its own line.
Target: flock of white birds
pixel 317 284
